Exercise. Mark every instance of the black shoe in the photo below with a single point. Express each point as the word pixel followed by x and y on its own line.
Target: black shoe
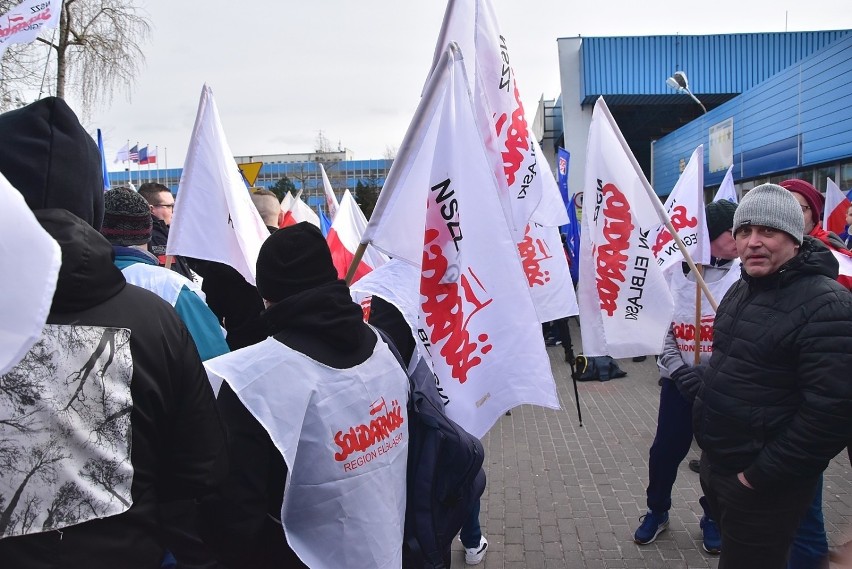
pixel 640 358
pixel 509 413
pixel 695 465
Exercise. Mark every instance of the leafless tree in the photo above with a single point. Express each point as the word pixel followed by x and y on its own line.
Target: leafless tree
pixel 96 47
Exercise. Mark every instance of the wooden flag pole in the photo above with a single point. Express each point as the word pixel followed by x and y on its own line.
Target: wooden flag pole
pixel 356 260
pixel 697 320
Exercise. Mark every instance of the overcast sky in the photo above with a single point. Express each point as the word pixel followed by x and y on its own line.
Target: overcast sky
pixel 281 71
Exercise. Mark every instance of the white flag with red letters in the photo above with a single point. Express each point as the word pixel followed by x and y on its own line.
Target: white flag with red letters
pixel 476 317
pixel 625 305
pixel 214 216
pixel 685 206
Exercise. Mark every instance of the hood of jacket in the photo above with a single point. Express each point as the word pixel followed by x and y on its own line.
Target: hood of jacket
pixel 87 276
pixel 48 156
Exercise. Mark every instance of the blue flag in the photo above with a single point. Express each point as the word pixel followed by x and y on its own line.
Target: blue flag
pixel 572 230
pixel 325 223
pixel 103 160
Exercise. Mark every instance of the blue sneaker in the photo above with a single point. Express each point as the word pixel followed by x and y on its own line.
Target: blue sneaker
pixel 712 539
pixel 653 524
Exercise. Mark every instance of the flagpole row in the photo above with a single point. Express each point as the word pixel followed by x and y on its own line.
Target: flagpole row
pixel 661 212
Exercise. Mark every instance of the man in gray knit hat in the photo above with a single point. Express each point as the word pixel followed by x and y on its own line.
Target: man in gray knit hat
pixel 775 404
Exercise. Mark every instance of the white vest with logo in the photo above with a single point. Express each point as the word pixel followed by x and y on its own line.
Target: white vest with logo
pixel 683 321
pixel 344 436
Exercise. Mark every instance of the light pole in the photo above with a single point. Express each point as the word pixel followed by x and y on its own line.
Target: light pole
pixel 680 83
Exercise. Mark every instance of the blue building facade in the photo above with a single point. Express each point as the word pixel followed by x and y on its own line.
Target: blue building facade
pixel 796 123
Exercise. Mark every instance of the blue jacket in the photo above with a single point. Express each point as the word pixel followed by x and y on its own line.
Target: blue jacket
pixel 141 269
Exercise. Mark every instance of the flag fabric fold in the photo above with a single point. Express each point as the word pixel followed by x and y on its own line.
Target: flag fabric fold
pixel 685 207
pixel 298 212
pixel 836 205
pixel 143 155
pixel 345 235
pixel 28 280
pixel 477 320
pixel 330 199
pixel 123 154
pixel 625 305
pixel 214 218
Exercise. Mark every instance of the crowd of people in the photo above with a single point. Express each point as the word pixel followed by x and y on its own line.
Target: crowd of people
pixel 123 450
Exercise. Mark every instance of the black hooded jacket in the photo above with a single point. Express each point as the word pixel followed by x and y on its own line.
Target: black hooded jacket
pixel 776 402
pixel 178 443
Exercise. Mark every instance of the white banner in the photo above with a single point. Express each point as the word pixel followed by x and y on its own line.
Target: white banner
pixel 214 216
pixel 548 276
pixel 344 237
pixel 29 266
pixel 24 22
pixel 476 315
pixel 685 207
pixel 625 305
pixel 726 190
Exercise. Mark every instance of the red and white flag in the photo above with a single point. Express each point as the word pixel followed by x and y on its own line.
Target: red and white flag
pixel 685 207
pixel 24 22
pixel 331 203
pixel 836 206
pixel 527 189
pixel 27 276
pixel 214 216
pixel 625 305
pixel 298 212
pixel 726 190
pixel 529 193
pixel 345 235
pixel 476 316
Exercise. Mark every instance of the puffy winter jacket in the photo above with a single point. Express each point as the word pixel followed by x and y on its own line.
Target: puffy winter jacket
pixel 776 401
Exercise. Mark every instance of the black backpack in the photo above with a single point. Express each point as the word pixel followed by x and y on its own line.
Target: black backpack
pixel 445 475
pixel 597 368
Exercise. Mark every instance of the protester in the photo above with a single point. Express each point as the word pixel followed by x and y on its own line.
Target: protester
pixel 674 421
pixel 127 226
pixel 774 406
pixel 293 404
pixel 810 547
pixel 162 206
pixel 846 236
pixel 114 365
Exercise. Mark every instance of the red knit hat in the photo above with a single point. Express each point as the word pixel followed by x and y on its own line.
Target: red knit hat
pixel 810 193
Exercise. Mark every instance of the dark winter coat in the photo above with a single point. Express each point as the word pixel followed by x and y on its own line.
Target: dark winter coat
pixel 178 443
pixel 776 402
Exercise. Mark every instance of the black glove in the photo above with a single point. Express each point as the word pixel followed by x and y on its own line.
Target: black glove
pixel 688 380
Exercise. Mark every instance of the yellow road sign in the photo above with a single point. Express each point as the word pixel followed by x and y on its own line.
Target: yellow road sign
pixel 250 171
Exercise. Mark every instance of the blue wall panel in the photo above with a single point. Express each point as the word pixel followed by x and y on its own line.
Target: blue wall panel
pixel 799 117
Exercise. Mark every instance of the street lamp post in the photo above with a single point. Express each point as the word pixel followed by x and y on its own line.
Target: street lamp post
pixel 680 83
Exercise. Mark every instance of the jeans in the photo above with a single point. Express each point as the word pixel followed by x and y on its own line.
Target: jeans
pixel 810 546
pixel 671 444
pixel 471 532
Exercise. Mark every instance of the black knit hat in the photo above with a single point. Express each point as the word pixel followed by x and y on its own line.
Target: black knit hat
pixel 291 260
pixel 720 217
pixel 48 156
pixel 127 218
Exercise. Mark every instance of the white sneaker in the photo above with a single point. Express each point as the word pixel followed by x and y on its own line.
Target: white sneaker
pixel 474 555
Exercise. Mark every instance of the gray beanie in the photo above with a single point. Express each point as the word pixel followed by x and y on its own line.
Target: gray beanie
pixel 772 206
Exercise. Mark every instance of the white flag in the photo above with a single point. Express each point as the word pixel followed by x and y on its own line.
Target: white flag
pixel 727 191
pixel 299 212
pixel 527 189
pixel 547 273
pixel 286 203
pixel 625 305
pixel 685 207
pixel 345 235
pixel 29 267
pixel 330 199
pixel 24 22
pixel 123 154
pixel 476 314
pixel 214 216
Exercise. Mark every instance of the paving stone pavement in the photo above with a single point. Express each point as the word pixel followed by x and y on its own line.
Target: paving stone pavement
pixel 564 496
